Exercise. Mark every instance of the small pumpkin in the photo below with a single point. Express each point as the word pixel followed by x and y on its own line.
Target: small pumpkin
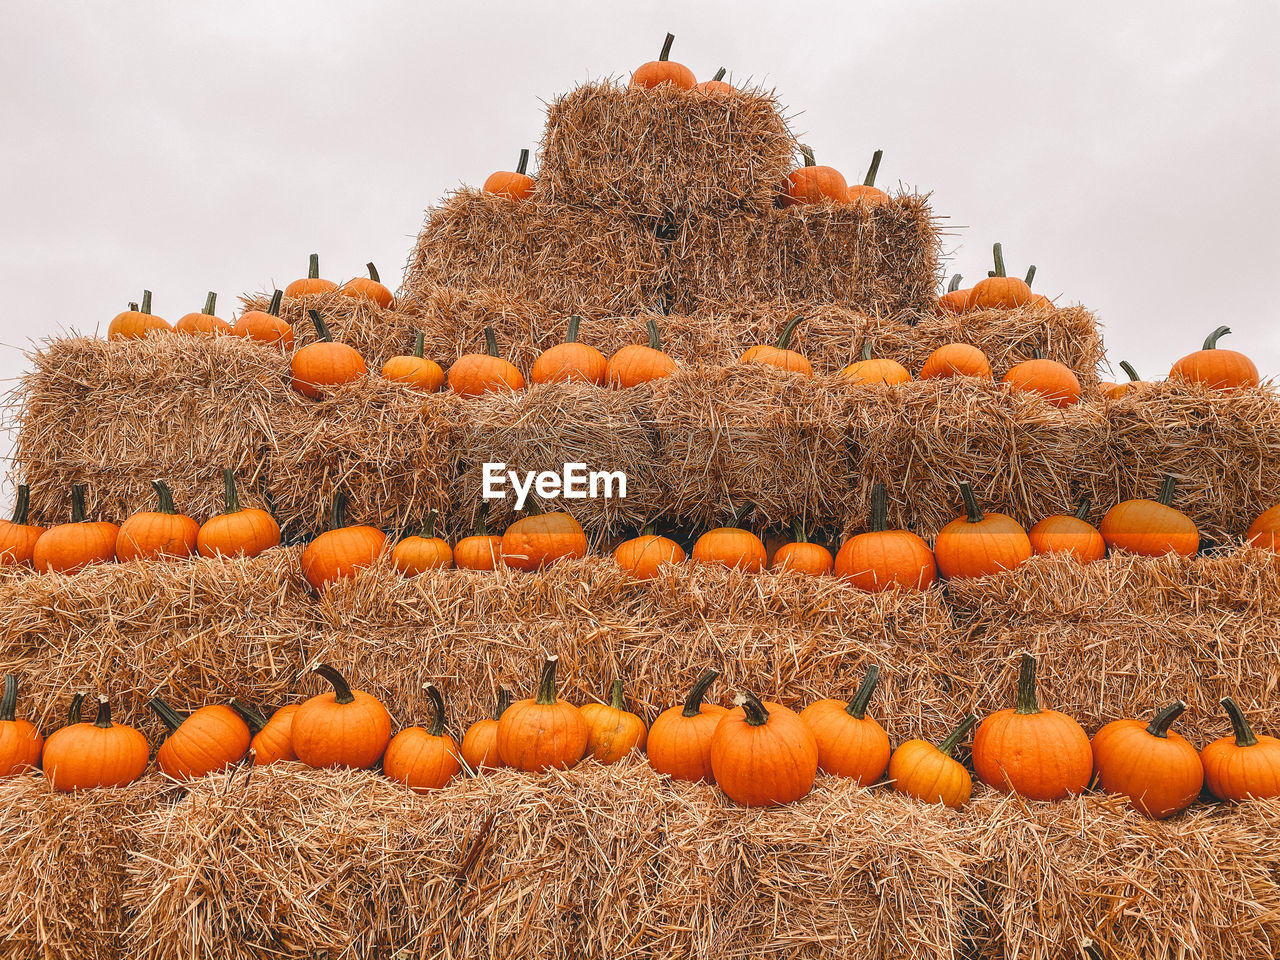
pixel 979 543
pixel 1263 532
pixel 716 84
pixel 369 288
pixel 542 733
pixel 311 285
pixel 82 756
pixel 570 360
pixel 763 754
pixel 204 322
pixel 867 191
pixel 731 547
pixel 1157 769
pixel 20 741
pixel 425 551
pixel 210 739
pixel 802 556
pixel 341 551
pixel 635 364
pixel 956 360
pixel 930 774
pixel 415 370
pixel 324 363
pixel 345 728
pixel 272 739
pixel 476 373
pixel 542 539
pixel 241 532
pixel 1243 766
pixel 612 730
pixel 480 744
pixel 679 743
pixel 480 551
pixel 955 300
pixel 1073 535
pixel 514 185
pixel 779 355
pixel 814 183
pixel 1151 528
pixel 642 556
pixel 882 558
pixel 1052 380
pixel 1115 391
pixel 17 536
pixel 850 743
pixel 162 532
pixel 664 70
pixel 1216 368
pixel 424 758
pixel 1000 292
pixel 868 370
pixel 1037 754
pixel 135 323
pixel 69 547
pixel 266 326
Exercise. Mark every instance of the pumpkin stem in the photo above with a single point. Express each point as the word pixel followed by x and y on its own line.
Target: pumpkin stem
pixel 313 267
pixel 547 682
pixel 481 528
pixel 1166 490
pixel 491 341
pixel 338 515
pixel 133 306
pixel 500 705
pixel 22 505
pixel 615 695
pixel 666 46
pixel 784 337
pixel 231 496
pixel 73 711
pixel 9 702
pixel 322 328
pixel 973 512
pixel 879 508
pixel 693 702
pixel 954 285
pixel 165 496
pixel 958 734
pixel 872 170
pixel 1027 700
pixel 1083 508
pixel 1239 725
pixel 1031 274
pixel 429 526
pixel 857 707
pixel 276 297
pixel 1160 723
pixel 523 163
pixel 1211 341
pixel 866 350
pixel 648 530
pixel 104 714
pixel 797 531
pixel 146 301
pixel 757 714
pixel 998 254
pixel 419 344
pixel 252 717
pixel 210 303
pixel 77 503
pixel 807 153
pixel 574 322
pixel 341 689
pixel 1037 353
pixel 719 74
pixel 436 726
pixel 171 717
pixel 655 339
pixel 1127 367
pixel 373 271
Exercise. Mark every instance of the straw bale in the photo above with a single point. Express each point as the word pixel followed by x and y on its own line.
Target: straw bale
pixel 665 154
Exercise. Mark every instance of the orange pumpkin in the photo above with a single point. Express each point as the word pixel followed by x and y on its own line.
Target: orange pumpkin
pixel 426 551
pixel 345 728
pixel 612 730
pixel 956 360
pixel 664 70
pixel 778 355
pixel 930 774
pixel 1263 532
pixel 979 544
pixel 642 556
pixel 1151 528
pixel 1215 368
pixel 716 84
pixel 20 742
pixel 635 364
pixel 237 532
pixel 272 739
pixel 1000 292
pixel 211 739
pixel 324 363
pixel 341 551
pixel 884 558
pixel 536 541
pixel 731 547
pixel 1050 379
pixel 679 742
pixel 867 191
pixel 1158 770
pixel 480 745
pixel 137 324
pixel 82 756
pixel 570 360
pixel 868 370
pixel 1037 754
pixel 542 733
pixel 69 547
pixel 763 754
pixel 812 183
pixel 1072 535
pixel 17 536
pixel 802 556
pixel 206 322
pixel 424 758
pixel 1243 766
pixel 480 551
pixel 311 285
pixel 850 744
pixel 1115 391
pixel 955 300
pixel 369 288
pixel 415 370
pixel 266 327
pixel 515 185
pixel 160 533
pixel 476 373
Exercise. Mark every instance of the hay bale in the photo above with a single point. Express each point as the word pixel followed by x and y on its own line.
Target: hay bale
pixel 665 154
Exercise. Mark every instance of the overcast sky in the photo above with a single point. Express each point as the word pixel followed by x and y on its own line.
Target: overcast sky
pixel 1129 150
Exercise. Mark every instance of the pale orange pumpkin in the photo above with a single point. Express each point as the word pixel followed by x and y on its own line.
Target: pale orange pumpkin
pixel 731 547
pixel 1151 528
pixel 424 758
pixel 324 363
pixel 570 360
pixel 979 543
pixel 17 536
pixel 956 360
pixel 1053 381
pixel 542 539
pixel 266 327
pixel 369 288
pixel 716 84
pixel 634 364
pixel 1072 535
pixel 802 556
pixel 205 322
pixel 664 70
pixel 160 533
pixel 70 547
pixel 779 355
pixel 1000 292
pixel 874 370
pixel 512 184
pixel 311 285
pixel 612 730
pixel 480 744
pixel 135 323
pixel 642 556
pixel 415 370
pixel 1215 368
pixel 342 551
pixel 882 558
pixel 423 551
pixel 474 374
pixel 955 300
pixel 850 743
pixel 814 183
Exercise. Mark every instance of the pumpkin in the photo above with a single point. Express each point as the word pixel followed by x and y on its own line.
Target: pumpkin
pixel 1215 368
pixel 930 774
pixel 731 547
pixel 480 551
pixel 1243 766
pixel 536 541
pixel 345 728
pixel 160 533
pixel 1158 770
pixel 874 370
pixel 1151 528
pixel 69 547
pixel 679 742
pixel 663 70
pixel 423 758
pixel 778 355
pixel 814 183
pixel 1000 292
pixel 956 360
pixel 426 551
pixel 515 185
pixel 716 84
pixel 476 373
pixel 763 754
pixel 82 756
pixel 235 532
pixel 570 360
pixel 1050 379
pixel 542 733
pixel 612 730
pixel 635 364
pixel 850 744
pixel 272 739
pixel 20 741
pixel 342 550
pixel 802 556
pixel 369 288
pixel 205 322
pixel 955 300
pixel 642 556
pixel 480 744
pixel 311 285
pixel 1263 532
pixel 1072 535
pixel 1037 754
pixel 867 191
pixel 266 326
pixel 324 363
pixel 17 536
pixel 211 739
pixel 135 323
pixel 1115 391
pixel 415 370
pixel 882 558
pixel 978 543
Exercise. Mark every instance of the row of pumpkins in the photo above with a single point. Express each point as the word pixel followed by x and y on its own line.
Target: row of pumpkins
pixel 759 753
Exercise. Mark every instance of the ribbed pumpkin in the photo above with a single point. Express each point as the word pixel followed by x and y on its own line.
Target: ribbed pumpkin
pixel 716 84
pixel 778 355
pixel 956 360
pixel 1240 767
pixel 69 547
pixel 211 739
pixel 1263 532
pixel 1115 391
pixel 512 184
pixel 1000 292
pixel 1072 535
pixel 679 743
pixel 802 556
pixel 311 285
pixel 1038 754
pixel 342 550
pixel 369 288
pixel 345 728
pixel 536 541
pixel 415 369
pixel 731 547
pixel 955 300
pixel 162 532
pixel 324 363
pixel 272 739
pixel 20 741
pixel 635 364
pixel 882 558
pixel 867 191
pixel 266 326
pixel 17 536
pixel 642 556
pixel 664 70
pixel 1157 769
pixel 480 551
pixel 480 744
pixel 928 773
pixel 850 743
pixel 474 374
pixel 1216 368
pixel 1151 528
pixel 204 322
pixel 243 532
pixel 1050 379
pixel 612 730
pixel 978 543
pixel 82 756
pixel 868 370
pixel 422 552
pixel 570 360
pixel 814 183
pixel 763 754
pixel 424 758
pixel 135 323
pixel 542 733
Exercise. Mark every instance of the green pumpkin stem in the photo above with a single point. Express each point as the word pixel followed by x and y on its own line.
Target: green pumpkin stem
pixel 231 497
pixel 419 344
pixel 954 285
pixel 1132 374
pixel 210 303
pixel 958 734
pixel 22 505
pixel 693 702
pixel 73 711
pixel 491 341
pixel 436 726
pixel 1166 490
pixel 1083 508
pixel 797 531
pixel 1037 353
pixel 255 720
pixel 1239 725
pixel 807 153
pixel 133 306
pixel 866 350
pixel 998 253
pixel 313 267
pixel 616 699
pixel 165 496
pixel 373 271
pixel 104 714
pixel 655 339
pixel 719 75
pixel 574 322
pixel 879 508
pixel 784 337
pixel 274 308
pixel 172 719
pixel 1211 341
pixel 77 503
pixel 547 682
pixel 857 707
pixel 1160 723
pixel 1027 701
pixel 666 46
pixel 872 170
pixel 972 510
pixel 501 703
pixel 338 513
pixel 481 528
pixel 757 713
pixel 648 530
pixel 9 702
pixel 428 526
pixel 523 163
pixel 146 301
pixel 1031 274
pixel 341 689
pixel 322 328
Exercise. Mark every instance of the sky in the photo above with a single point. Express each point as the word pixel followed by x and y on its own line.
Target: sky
pixel 1128 150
